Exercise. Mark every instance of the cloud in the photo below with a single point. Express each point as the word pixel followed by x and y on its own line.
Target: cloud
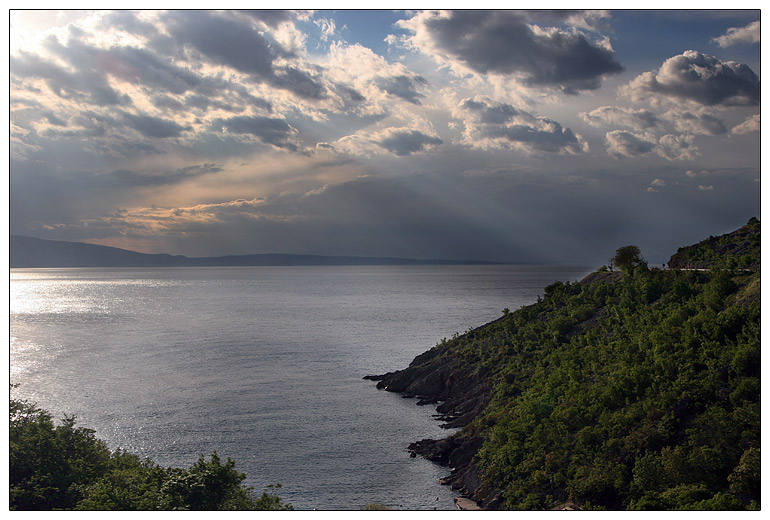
pixel 494 125
pixel 627 144
pixel 154 127
pixel 404 142
pixel 751 124
pixel 140 66
pixel 404 87
pixel 677 147
pixel 161 178
pixel 400 141
pixel 655 185
pixel 189 120
pixel 128 21
pixel 698 78
pixel 328 28
pixel 272 17
pixel 637 119
pixel 222 40
pixel 270 130
pixel 699 124
pixel 80 86
pixel 231 41
pixel 739 35
pixel 621 143
pixel 298 82
pixel 510 43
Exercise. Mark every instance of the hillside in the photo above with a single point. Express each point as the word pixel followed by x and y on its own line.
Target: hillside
pixel 739 249
pixel 627 390
pixel 28 252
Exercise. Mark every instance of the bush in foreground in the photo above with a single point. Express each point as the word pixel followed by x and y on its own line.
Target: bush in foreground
pixel 66 467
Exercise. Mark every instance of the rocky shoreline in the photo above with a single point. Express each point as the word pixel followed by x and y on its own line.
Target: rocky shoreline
pixel 460 395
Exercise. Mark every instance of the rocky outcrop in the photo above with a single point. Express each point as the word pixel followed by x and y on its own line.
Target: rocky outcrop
pixel 460 394
pixel 458 452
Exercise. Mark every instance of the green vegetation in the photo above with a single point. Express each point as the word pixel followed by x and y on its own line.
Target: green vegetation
pixel 67 468
pixel 736 250
pixel 627 258
pixel 629 390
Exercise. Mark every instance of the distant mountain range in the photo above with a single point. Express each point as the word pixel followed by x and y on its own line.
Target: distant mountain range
pixel 37 252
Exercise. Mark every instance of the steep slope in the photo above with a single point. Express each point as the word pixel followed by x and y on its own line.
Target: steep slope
pixel 739 249
pixel 636 390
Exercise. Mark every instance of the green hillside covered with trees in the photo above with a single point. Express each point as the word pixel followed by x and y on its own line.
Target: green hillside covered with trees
pixel 631 389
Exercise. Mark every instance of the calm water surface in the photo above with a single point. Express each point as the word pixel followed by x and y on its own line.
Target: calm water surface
pixel 262 364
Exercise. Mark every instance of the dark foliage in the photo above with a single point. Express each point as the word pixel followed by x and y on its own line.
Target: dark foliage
pixel 627 258
pixel 736 250
pixel 65 467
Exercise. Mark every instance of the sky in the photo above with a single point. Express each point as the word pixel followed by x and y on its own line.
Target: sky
pixel 511 136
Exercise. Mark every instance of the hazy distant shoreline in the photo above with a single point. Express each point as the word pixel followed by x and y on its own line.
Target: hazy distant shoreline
pixel 29 252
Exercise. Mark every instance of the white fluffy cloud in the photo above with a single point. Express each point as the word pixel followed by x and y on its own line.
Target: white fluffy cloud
pixel 677 147
pixel 697 78
pixel 751 124
pixel 739 35
pixel 399 141
pixel 636 119
pixel 492 125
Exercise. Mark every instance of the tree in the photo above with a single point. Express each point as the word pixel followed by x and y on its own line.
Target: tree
pixel 628 257
pixel 67 467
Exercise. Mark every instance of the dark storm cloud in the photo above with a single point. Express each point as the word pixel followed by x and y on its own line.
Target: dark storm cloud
pixel 299 82
pixel 504 43
pixel 226 40
pixel 153 127
pixel 407 142
pixel 271 17
pixel 701 78
pixel 404 87
pixel 204 103
pixel 166 103
pixel 141 66
pixel 222 40
pixel 274 131
pixel 231 94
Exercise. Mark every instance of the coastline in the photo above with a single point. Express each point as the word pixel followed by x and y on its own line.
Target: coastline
pixel 459 395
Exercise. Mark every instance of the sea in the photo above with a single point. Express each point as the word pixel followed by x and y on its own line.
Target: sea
pixel 264 365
